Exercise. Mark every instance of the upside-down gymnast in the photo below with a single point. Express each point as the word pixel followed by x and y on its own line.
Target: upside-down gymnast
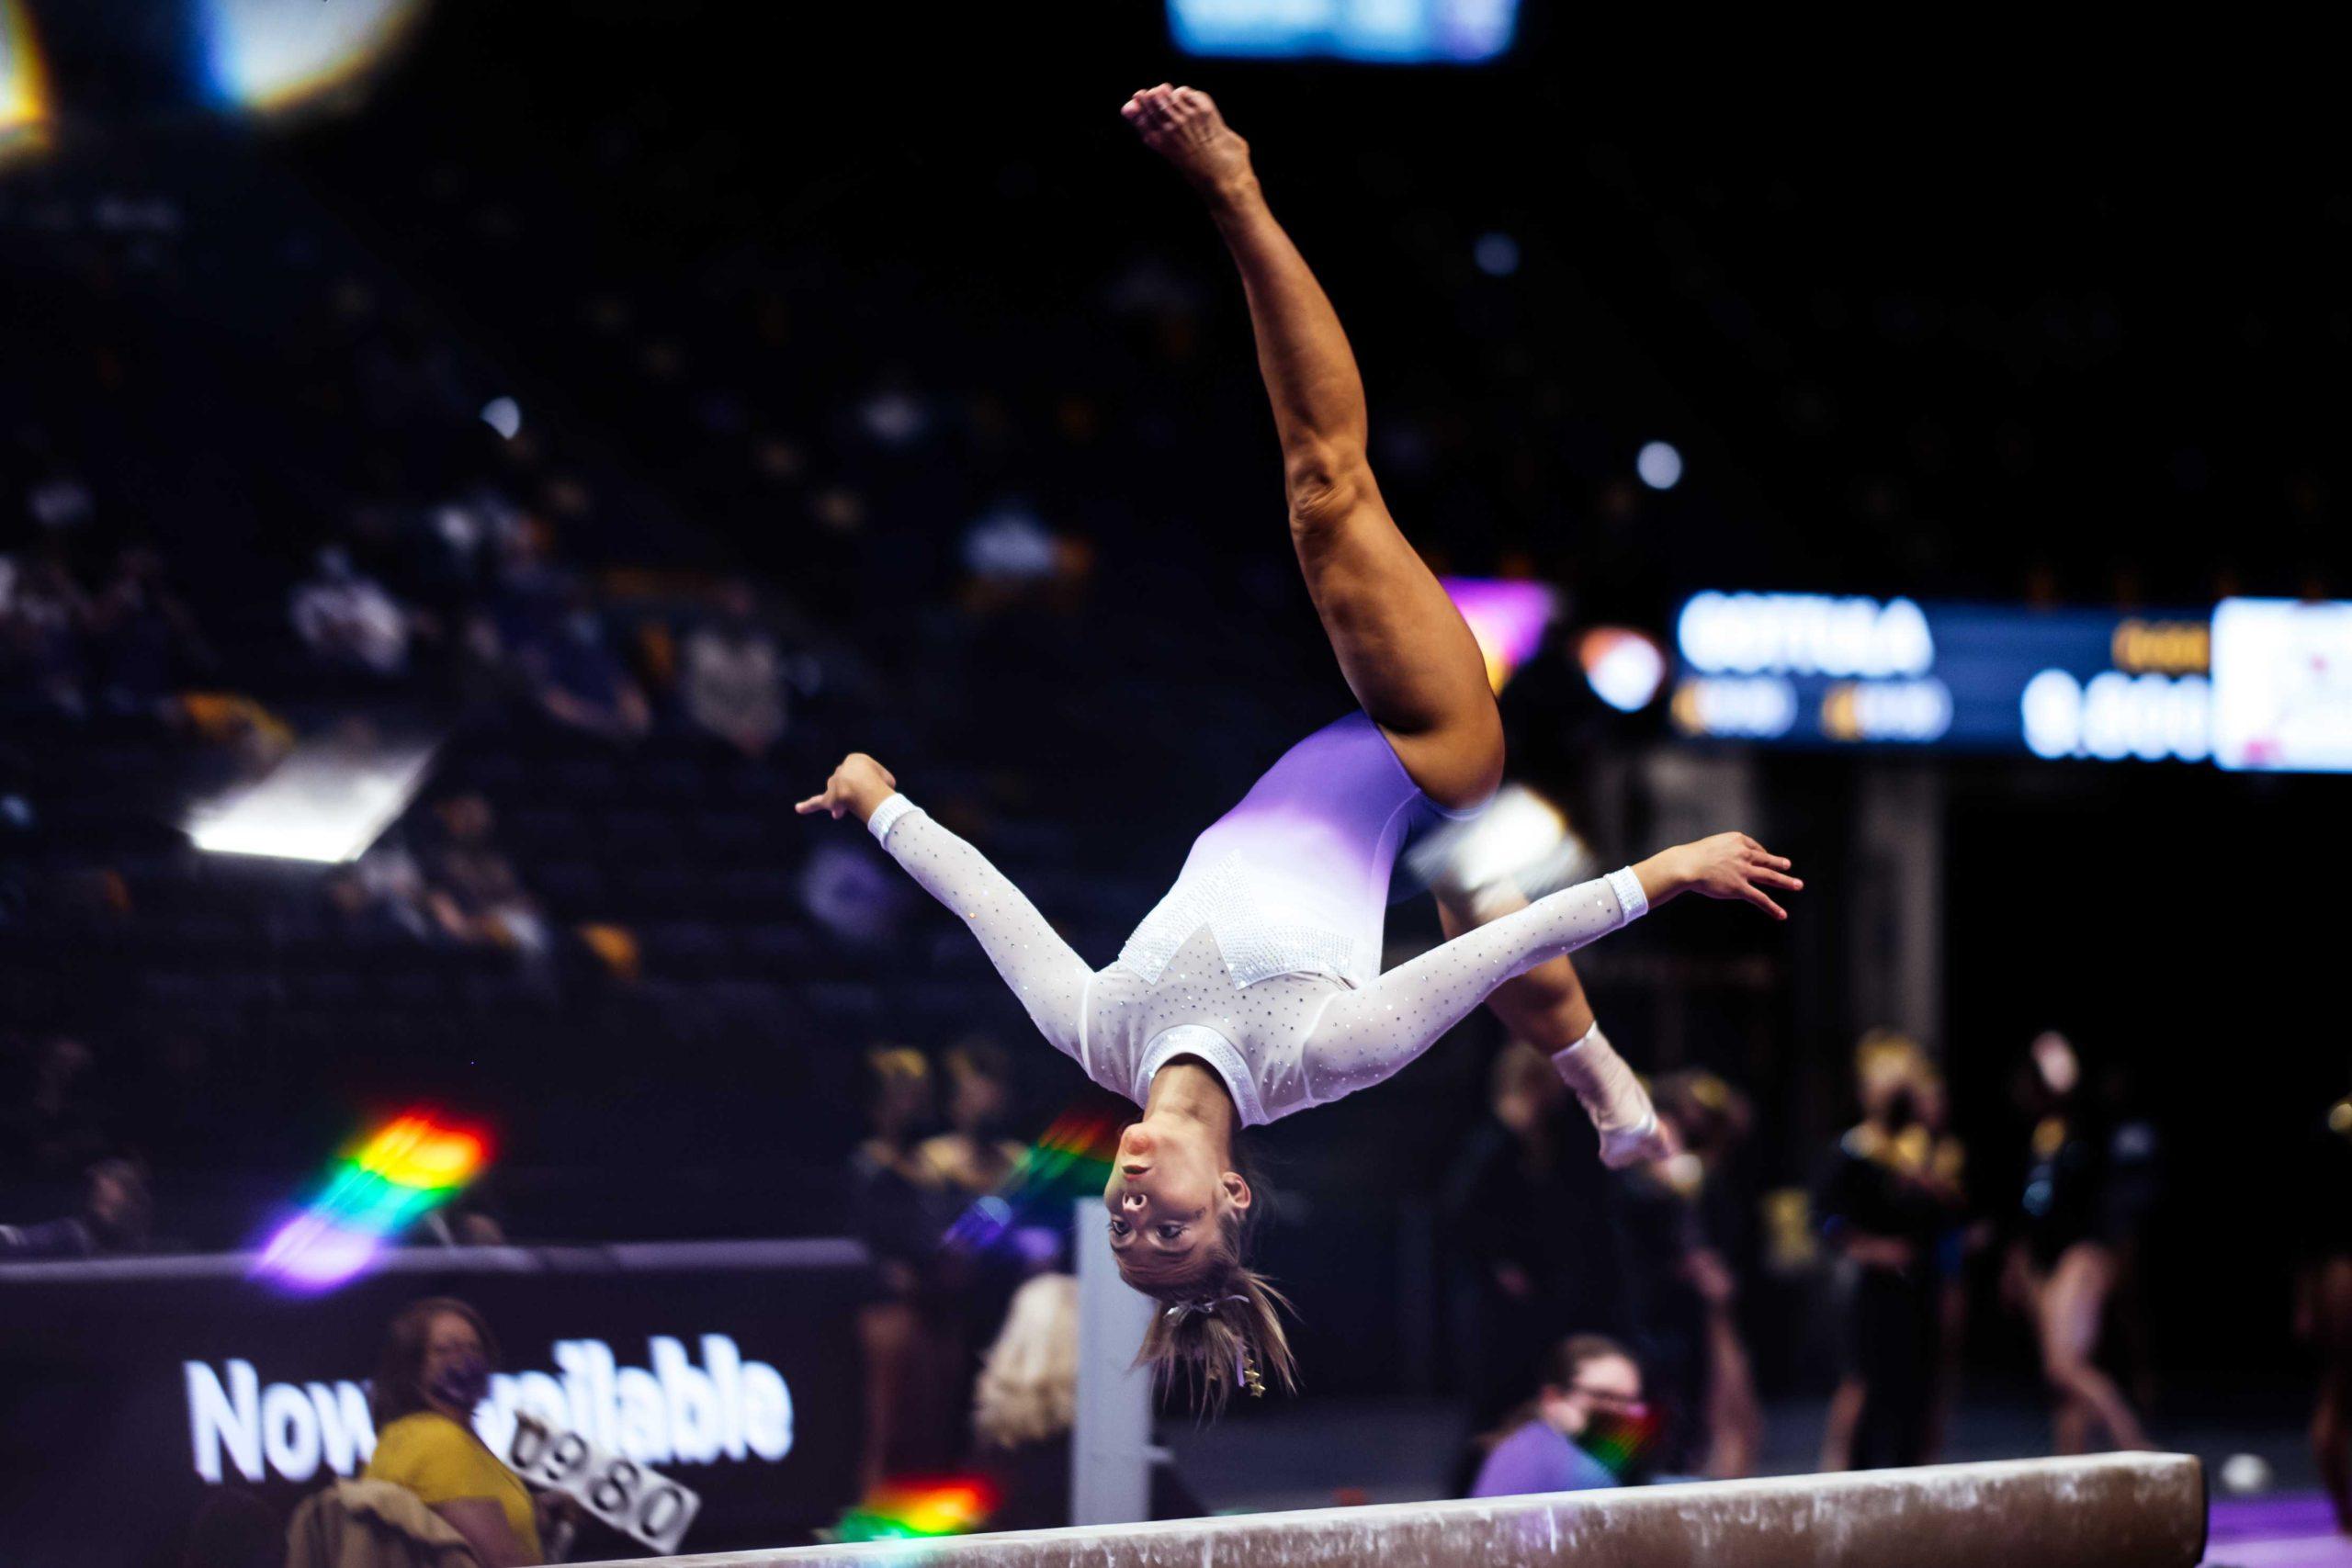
pixel 1253 989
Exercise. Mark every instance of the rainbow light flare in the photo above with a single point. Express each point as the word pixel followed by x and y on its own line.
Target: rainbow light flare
pixel 25 104
pixel 269 55
pixel 900 1510
pixel 1071 1159
pixel 412 1163
pixel 1507 615
pixel 1618 1440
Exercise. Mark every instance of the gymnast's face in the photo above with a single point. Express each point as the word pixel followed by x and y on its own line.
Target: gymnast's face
pixel 1167 1197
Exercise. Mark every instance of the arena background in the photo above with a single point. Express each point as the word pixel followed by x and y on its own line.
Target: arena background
pixel 835 302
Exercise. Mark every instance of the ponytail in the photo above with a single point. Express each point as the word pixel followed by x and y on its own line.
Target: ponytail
pixel 1226 1337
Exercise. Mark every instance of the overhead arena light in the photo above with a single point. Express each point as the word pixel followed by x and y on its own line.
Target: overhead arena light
pixel 270 55
pixel 326 803
pixel 25 107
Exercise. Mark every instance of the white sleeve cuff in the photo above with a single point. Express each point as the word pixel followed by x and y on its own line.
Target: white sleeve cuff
pixel 1621 882
pixel 886 817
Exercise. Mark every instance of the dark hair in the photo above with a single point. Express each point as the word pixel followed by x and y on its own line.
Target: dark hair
pixel 1563 1361
pixel 1558 1369
pixel 399 1388
pixel 1219 1327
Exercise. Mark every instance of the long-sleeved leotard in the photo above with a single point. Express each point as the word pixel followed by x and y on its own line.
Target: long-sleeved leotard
pixel 1260 985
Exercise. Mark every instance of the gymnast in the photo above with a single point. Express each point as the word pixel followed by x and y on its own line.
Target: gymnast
pixel 1253 989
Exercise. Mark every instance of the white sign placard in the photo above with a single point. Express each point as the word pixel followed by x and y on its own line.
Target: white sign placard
pixel 633 1499
pixel 2282 685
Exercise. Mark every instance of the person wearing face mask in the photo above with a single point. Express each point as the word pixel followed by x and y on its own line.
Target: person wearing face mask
pixel 1888 1196
pixel 436 1370
pixel 1588 1405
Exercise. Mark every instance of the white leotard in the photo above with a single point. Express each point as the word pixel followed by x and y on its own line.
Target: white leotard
pixel 1263 960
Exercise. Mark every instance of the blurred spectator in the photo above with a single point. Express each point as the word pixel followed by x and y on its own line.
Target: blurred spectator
pixel 57 1128
pixel 44 620
pixel 1515 1213
pixel 114 1218
pixel 2062 1268
pixel 911 1385
pixel 1887 1199
pixel 349 621
pixel 959 1167
pixel 1588 1384
pixel 733 681
pixel 968 1160
pixel 1681 1295
pixel 435 1368
pixel 381 894
pixel 2323 1303
pixel 1709 1120
pixel 580 681
pixel 474 894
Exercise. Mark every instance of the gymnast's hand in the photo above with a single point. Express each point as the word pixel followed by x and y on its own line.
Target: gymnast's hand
pixel 1729 866
pixel 857 786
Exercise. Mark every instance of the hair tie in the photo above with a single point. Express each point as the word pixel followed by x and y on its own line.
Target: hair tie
pixel 1179 1311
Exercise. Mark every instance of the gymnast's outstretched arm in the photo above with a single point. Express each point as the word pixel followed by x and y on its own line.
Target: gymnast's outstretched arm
pixel 1366 1035
pixel 1051 980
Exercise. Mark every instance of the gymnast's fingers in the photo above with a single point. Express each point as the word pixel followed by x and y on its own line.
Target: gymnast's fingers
pixel 1776 879
pixel 1763 901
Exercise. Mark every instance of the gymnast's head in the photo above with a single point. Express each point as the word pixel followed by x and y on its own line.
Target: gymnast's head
pixel 1183 1205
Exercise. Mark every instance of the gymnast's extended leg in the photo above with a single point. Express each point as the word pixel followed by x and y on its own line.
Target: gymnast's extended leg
pixel 1405 649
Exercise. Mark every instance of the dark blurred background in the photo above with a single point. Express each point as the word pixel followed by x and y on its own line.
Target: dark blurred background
pixel 645 404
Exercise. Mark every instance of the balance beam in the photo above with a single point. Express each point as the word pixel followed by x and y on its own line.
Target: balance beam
pixel 2145 1510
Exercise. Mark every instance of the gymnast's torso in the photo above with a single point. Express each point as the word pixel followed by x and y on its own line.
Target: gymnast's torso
pixel 1281 905
pixel 1263 961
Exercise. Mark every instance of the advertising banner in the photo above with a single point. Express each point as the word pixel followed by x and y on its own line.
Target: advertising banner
pixel 133 1390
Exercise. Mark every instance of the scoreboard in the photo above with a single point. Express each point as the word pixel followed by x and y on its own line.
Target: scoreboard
pixel 2263 684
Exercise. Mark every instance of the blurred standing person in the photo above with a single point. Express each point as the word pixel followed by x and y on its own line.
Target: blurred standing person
pixel 957 1167
pixel 969 1160
pixel 2062 1268
pixel 910 1376
pixel 1517 1210
pixel 2324 1304
pixel 435 1371
pixel 1589 1386
pixel 1888 1198
pixel 1672 1218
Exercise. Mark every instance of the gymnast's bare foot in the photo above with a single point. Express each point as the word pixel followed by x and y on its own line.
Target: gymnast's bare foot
pixel 1182 125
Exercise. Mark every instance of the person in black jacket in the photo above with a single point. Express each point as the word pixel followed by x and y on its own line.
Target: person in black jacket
pixel 2064 1266
pixel 1888 1196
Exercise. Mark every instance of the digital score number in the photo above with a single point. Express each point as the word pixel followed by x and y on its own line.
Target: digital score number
pixel 634 1500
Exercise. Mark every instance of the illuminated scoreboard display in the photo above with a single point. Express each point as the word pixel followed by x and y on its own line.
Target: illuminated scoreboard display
pixel 1830 670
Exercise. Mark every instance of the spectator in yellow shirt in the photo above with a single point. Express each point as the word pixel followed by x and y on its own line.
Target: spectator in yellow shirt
pixel 435 1371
